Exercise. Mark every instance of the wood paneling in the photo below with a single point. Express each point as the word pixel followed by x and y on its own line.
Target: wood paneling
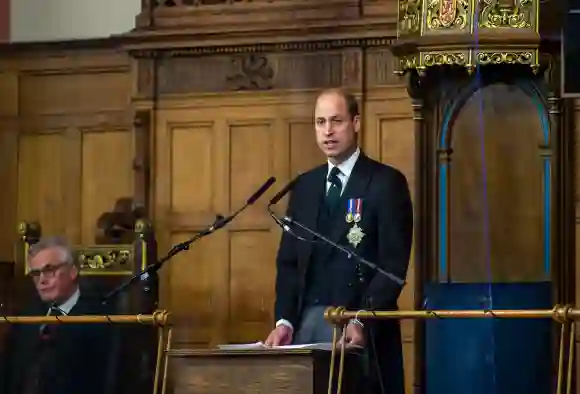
pixel 70 150
pixel 67 141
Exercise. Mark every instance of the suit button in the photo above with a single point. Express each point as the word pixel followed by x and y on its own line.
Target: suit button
pixel 316 301
pixel 350 285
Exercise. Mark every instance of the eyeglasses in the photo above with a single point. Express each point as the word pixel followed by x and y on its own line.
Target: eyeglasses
pixel 48 271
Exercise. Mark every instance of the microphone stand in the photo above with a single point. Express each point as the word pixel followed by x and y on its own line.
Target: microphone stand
pixel 220 222
pixel 174 251
pixel 288 220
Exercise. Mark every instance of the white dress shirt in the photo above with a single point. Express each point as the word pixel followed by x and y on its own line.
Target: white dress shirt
pixel 67 306
pixel 345 170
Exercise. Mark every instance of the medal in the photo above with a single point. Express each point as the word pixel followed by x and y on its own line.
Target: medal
pixel 350 210
pixel 357 210
pixel 355 235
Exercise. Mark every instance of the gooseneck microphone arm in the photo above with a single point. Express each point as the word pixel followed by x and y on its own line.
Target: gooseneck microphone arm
pixel 286 222
pixel 349 253
pixel 219 223
pixel 283 226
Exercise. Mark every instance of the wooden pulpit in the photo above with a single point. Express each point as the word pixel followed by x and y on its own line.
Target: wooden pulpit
pixel 296 371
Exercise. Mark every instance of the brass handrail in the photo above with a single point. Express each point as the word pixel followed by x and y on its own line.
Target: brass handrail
pixel 566 315
pixel 560 313
pixel 159 319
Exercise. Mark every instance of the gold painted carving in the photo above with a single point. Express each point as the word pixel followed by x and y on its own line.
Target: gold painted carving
pixel 488 58
pixel 409 16
pixel 447 14
pixel 407 63
pixel 104 260
pixel 444 59
pixel 516 14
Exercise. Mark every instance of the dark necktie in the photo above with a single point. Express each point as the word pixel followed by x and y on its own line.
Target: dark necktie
pixel 335 189
pixel 47 330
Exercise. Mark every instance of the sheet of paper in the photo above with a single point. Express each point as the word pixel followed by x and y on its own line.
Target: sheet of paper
pixel 260 345
pixel 243 346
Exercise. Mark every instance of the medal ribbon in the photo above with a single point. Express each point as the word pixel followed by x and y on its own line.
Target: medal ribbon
pixel 350 207
pixel 358 208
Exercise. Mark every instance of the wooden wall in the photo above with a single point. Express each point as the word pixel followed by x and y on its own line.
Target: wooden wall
pixel 66 142
pixel 70 150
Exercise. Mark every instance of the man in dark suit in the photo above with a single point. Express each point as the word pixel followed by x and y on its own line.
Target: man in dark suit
pixel 59 358
pixel 363 205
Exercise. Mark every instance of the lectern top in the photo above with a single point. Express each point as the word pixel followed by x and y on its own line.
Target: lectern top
pixel 244 353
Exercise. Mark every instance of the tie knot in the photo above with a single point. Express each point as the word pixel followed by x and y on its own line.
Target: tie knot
pixel 55 311
pixel 333 177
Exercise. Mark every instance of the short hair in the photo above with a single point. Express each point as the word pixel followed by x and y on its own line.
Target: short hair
pixel 351 101
pixel 56 242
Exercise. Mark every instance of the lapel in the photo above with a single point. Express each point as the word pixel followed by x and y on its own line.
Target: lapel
pixel 316 189
pixel 356 187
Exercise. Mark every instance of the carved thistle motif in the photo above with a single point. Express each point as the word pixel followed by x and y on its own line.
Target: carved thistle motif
pixel 409 16
pixel 250 72
pixel 447 14
pixel 517 14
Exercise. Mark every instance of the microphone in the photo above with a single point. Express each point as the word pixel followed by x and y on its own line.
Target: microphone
pixel 254 197
pixel 220 222
pixel 280 195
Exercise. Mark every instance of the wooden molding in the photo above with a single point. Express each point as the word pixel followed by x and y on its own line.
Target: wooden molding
pixel 317 69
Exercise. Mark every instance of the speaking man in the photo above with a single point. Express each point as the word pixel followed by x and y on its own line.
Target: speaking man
pixel 365 206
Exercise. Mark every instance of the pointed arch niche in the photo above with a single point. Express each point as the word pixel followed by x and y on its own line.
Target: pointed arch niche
pixel 494 187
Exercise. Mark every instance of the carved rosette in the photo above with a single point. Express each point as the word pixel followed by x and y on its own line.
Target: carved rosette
pixel 467 34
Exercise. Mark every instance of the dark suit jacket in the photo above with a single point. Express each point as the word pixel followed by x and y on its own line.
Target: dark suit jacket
pixel 79 353
pixel 387 221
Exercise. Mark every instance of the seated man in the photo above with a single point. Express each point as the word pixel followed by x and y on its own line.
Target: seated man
pixel 57 358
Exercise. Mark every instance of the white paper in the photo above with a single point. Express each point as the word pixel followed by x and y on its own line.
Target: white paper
pixel 260 346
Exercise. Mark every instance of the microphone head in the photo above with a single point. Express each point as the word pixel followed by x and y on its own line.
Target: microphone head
pixel 261 190
pixel 282 192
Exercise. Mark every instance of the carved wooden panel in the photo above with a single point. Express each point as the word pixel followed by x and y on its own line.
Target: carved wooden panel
pixel 247 72
pixel 175 73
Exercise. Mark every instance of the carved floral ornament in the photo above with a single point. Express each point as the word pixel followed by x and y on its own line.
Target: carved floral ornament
pixel 468 59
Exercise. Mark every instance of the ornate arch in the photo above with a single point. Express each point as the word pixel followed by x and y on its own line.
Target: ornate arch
pixel 450 111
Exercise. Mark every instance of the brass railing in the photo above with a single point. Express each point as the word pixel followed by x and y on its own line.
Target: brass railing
pixel 159 319
pixel 565 315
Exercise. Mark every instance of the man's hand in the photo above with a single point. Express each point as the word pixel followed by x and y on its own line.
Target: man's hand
pixel 353 336
pixel 280 336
